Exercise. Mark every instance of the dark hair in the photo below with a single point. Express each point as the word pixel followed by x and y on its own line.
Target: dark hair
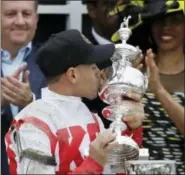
pixel 52 80
pixel 89 2
pixel 109 3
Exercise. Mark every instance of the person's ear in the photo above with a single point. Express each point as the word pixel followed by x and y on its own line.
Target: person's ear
pixel 91 10
pixel 72 75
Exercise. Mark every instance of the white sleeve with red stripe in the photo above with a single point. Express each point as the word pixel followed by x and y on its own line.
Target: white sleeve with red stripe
pixel 37 126
pixel 33 138
pixel 36 135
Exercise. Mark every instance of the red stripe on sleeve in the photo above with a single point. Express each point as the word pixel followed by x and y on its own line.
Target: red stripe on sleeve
pixel 37 123
pixel 43 127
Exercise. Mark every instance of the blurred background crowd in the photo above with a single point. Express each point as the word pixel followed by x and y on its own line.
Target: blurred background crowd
pixel 156 24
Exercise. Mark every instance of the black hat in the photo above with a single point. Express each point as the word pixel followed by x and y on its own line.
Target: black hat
pixel 159 8
pixel 68 49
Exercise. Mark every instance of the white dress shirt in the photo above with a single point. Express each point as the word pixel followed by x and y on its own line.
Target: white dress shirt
pixel 100 39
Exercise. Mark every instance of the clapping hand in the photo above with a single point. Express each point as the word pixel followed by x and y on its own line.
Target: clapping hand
pixel 14 91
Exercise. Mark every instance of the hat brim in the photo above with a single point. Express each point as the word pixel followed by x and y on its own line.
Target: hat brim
pixel 101 55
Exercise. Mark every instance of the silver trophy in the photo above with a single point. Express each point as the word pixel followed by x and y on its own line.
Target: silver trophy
pixel 124 79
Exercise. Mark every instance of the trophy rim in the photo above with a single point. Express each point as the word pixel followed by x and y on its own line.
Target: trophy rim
pixel 107 111
pixel 128 88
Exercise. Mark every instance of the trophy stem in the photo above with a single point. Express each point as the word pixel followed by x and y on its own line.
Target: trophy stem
pixel 118 126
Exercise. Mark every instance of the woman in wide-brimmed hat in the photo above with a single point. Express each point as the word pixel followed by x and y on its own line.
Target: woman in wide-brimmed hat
pixel 164 102
pixel 163 23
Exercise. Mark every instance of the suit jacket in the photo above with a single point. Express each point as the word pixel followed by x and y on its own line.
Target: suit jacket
pixel 97 104
pixel 37 81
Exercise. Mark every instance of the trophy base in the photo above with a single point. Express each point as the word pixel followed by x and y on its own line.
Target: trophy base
pixel 126 150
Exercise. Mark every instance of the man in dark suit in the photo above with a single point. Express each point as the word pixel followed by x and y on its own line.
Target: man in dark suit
pixel 106 17
pixel 21 79
pixel 103 24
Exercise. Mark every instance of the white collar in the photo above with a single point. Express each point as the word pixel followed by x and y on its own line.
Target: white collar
pixel 99 39
pixel 26 48
pixel 53 96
